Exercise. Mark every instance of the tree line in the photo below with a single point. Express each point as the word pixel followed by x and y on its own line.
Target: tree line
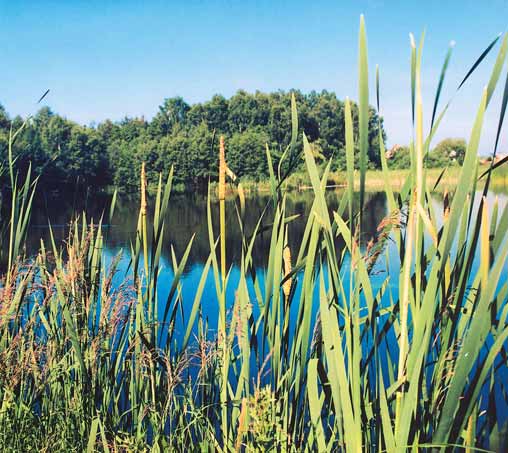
pixel 182 135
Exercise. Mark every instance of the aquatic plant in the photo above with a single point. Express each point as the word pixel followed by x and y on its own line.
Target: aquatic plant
pixel 309 354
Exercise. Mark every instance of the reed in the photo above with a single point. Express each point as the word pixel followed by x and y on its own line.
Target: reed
pixel 328 347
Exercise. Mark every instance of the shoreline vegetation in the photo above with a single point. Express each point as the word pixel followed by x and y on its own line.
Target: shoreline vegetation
pixel 446 179
pixel 329 346
pixel 443 179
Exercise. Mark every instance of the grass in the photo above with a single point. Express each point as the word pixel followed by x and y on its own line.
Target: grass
pixel 375 179
pixel 308 355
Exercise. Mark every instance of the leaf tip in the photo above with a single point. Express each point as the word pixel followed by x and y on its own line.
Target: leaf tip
pixel 412 40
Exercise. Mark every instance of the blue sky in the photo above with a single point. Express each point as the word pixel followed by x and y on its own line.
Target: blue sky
pixel 105 59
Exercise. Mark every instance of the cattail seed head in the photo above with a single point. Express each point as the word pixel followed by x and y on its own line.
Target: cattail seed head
pixel 286 288
pixel 222 169
pixel 143 189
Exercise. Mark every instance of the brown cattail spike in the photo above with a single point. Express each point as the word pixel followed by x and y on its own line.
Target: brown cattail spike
pixel 286 287
pixel 222 169
pixel 143 189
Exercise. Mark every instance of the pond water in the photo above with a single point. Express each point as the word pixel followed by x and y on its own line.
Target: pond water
pixel 187 216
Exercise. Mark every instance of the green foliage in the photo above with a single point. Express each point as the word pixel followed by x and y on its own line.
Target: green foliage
pixel 181 135
pixel 401 158
pixel 450 151
pixel 352 353
pixel 244 151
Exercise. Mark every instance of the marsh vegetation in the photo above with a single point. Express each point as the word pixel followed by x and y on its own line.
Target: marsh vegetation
pixel 347 328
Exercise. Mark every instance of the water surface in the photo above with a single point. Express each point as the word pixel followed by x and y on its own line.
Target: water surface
pixel 187 217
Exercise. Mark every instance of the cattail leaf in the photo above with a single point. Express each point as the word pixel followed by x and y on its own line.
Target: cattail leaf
pixel 363 107
pixel 440 83
pixel 315 405
pixel 478 61
pixel 498 66
pixel 350 159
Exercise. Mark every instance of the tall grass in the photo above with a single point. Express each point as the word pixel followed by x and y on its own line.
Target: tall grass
pixel 309 354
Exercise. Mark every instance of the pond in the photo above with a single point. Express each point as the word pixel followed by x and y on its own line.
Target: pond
pixel 187 217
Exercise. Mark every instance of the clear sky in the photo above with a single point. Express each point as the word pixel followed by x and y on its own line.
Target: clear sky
pixel 108 59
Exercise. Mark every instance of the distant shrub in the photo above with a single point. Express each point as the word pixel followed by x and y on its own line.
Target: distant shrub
pixel 446 152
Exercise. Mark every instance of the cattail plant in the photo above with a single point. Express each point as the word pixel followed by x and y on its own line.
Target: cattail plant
pixel 222 207
pixel 287 270
pixel 327 346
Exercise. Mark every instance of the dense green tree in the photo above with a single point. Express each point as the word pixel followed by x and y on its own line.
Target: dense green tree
pixel 4 119
pixel 182 135
pixel 172 113
pixel 328 112
pixel 448 151
pixel 246 151
pixel 215 114
pixel 399 158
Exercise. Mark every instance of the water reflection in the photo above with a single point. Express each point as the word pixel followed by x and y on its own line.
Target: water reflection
pixel 187 216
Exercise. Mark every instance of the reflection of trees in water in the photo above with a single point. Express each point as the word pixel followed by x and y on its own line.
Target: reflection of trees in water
pixel 58 211
pixel 187 215
pixel 375 210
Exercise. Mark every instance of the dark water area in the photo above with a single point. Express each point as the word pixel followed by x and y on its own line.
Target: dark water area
pixel 187 217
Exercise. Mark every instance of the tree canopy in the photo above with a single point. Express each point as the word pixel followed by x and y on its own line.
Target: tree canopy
pixel 447 152
pixel 181 135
